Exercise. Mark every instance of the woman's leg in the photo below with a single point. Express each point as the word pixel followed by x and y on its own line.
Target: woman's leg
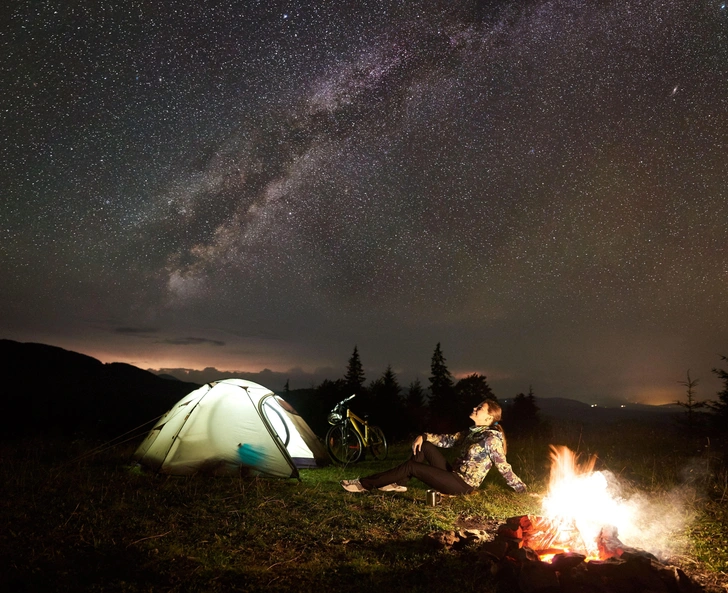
pixel 431 454
pixel 400 474
pixel 428 466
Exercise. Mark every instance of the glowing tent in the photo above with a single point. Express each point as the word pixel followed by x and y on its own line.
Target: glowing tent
pixel 228 427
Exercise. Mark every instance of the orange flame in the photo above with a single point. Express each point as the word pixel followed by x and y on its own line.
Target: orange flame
pixel 565 466
pixel 577 506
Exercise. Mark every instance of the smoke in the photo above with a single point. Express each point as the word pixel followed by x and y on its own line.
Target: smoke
pixel 657 521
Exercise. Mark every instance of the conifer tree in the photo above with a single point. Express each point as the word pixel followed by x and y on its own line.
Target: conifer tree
pixel 441 394
pixel 325 397
pixel 390 383
pixel 386 405
pixel 691 405
pixel 354 377
pixel 522 416
pixel 441 381
pixel 415 395
pixel 470 391
pixel 720 407
pixel 415 420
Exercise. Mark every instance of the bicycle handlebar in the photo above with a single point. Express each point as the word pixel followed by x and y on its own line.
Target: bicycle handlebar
pixel 343 401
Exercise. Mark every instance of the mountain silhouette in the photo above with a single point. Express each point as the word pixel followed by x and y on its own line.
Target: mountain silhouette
pixel 574 410
pixel 49 391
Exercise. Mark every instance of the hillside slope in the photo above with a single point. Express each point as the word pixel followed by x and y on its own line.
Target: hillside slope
pixel 46 390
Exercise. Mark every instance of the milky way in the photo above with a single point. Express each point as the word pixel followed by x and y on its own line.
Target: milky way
pixel 541 186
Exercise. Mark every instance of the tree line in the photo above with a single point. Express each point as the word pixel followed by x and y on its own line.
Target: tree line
pixel 444 404
pixel 401 412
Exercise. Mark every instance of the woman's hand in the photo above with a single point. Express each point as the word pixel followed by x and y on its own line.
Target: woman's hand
pixel 417 444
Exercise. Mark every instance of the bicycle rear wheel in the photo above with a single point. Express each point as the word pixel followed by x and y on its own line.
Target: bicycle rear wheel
pixel 343 444
pixel 378 443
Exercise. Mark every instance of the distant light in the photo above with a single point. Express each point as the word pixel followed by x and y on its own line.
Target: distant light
pixel 622 406
pixel 593 405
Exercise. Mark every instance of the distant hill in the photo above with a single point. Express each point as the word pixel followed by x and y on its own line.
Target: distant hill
pixel 46 390
pixel 569 409
pixel 167 376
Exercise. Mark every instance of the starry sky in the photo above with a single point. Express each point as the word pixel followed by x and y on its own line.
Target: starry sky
pixel 541 186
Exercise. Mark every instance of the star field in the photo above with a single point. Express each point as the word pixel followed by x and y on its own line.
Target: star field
pixel 540 186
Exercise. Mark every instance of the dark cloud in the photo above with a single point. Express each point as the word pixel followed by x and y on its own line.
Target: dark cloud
pixel 190 341
pixel 136 331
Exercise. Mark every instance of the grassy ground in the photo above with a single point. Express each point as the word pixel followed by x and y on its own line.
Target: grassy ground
pixel 101 524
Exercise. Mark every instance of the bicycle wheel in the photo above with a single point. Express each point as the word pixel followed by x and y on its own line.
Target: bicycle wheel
pixel 378 443
pixel 343 444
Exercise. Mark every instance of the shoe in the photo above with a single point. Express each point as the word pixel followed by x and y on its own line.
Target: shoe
pixel 393 488
pixel 352 485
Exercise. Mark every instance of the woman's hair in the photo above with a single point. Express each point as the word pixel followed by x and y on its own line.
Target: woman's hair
pixel 496 412
pixel 494 408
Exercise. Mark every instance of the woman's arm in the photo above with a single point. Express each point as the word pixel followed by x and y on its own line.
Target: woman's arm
pixel 498 456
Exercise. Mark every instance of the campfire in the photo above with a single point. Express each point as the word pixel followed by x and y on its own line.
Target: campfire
pixel 581 513
pixel 576 543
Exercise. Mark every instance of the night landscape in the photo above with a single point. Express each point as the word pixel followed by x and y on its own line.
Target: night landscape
pixel 423 203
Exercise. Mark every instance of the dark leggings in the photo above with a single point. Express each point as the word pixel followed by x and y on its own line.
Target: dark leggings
pixel 428 466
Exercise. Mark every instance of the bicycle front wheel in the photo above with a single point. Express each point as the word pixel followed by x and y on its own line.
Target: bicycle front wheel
pixel 343 444
pixel 378 443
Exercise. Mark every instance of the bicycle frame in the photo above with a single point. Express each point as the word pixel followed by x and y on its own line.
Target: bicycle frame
pixel 357 423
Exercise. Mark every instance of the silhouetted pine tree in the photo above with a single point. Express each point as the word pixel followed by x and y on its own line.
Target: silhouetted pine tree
pixel 521 417
pixel 470 391
pixel 720 407
pixel 326 396
pixel 692 420
pixel 354 377
pixel 386 405
pixel 415 410
pixel 415 397
pixel 442 391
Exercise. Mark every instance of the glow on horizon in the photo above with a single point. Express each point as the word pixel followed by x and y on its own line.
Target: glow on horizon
pixel 490 375
pixel 657 396
pixel 304 369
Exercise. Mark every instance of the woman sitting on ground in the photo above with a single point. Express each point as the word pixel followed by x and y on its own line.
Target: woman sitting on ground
pixel 484 445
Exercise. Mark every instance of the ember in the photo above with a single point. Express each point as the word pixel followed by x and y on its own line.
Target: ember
pixel 621 570
pixel 575 545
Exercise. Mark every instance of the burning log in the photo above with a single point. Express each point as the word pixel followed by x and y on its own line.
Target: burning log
pixel 610 546
pixel 544 536
pixel 623 570
pixel 608 543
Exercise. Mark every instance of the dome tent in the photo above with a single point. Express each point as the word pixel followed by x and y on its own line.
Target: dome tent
pixel 228 427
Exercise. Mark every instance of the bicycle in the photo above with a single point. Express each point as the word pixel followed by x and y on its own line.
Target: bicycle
pixel 349 435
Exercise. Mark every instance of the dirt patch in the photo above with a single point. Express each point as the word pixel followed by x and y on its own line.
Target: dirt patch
pixel 487 524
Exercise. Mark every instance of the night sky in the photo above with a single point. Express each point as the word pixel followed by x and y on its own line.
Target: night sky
pixel 540 186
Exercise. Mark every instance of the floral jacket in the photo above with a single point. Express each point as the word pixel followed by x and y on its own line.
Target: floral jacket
pixel 482 448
